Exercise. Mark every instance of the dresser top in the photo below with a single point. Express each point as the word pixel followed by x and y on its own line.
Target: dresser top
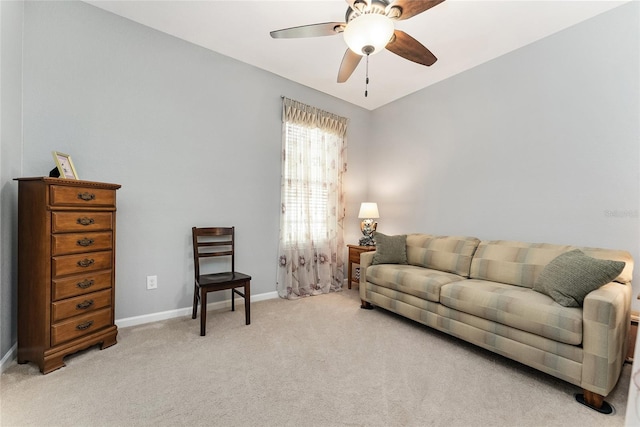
pixel 70 182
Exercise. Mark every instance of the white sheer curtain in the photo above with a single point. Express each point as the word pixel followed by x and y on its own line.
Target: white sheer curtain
pixel 311 223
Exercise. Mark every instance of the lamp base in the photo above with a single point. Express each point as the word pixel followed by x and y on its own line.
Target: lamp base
pixel 368 227
pixel 367 241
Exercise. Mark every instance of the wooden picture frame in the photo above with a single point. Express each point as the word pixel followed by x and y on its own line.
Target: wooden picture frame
pixel 65 165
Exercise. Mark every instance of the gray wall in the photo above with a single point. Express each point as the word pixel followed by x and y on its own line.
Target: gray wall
pixel 11 19
pixel 541 145
pixel 193 137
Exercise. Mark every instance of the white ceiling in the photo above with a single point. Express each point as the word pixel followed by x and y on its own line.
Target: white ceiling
pixel 461 33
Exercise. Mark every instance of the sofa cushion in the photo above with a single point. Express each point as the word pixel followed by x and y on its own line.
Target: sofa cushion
pixel 418 281
pixel 515 263
pixel 515 306
pixel 572 275
pixel 446 253
pixel 390 249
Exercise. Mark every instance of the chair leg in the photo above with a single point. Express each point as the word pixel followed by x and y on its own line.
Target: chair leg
pixel 203 312
pixel 247 303
pixel 233 301
pixel 195 301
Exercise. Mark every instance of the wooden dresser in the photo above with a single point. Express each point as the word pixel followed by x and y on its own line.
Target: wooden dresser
pixel 66 268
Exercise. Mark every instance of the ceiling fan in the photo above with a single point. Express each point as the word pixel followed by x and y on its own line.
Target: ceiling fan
pixel 369 28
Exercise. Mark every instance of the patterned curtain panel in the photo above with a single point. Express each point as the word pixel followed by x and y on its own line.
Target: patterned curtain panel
pixel 311 222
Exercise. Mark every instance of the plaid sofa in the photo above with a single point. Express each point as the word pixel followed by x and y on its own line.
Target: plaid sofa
pixel 481 292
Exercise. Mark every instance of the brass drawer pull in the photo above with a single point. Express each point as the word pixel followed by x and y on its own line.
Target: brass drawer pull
pixel 85 304
pixel 87 197
pixel 85 221
pixel 85 262
pixel 85 325
pixel 85 284
pixel 85 242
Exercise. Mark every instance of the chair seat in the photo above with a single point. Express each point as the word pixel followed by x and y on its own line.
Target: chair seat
pixel 226 278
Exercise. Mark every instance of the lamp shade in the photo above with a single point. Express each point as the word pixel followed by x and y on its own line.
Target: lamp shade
pixel 368 210
pixel 368 33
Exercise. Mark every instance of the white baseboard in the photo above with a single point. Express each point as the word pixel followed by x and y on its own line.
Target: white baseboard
pixel 8 358
pixel 153 317
pixel 170 314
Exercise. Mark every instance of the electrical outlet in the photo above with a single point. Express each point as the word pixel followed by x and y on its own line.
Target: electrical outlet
pixel 152 282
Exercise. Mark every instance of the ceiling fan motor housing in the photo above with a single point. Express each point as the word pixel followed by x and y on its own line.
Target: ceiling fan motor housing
pixel 361 7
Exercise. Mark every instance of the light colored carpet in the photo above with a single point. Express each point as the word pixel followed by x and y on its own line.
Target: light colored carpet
pixel 319 361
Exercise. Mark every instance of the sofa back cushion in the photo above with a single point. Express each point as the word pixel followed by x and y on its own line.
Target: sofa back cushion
pixel 452 254
pixel 520 263
pixel 514 263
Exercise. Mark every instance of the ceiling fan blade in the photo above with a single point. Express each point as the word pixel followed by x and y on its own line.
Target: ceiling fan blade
pixel 349 63
pixel 411 8
pixel 402 44
pixel 313 30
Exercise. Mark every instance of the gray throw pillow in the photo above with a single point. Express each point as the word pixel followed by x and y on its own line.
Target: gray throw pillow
pixel 572 275
pixel 390 249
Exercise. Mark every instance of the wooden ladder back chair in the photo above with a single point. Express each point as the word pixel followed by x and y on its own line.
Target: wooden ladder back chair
pixel 214 242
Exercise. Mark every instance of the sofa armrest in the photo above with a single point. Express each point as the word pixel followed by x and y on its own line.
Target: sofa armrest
pixel 365 261
pixel 604 336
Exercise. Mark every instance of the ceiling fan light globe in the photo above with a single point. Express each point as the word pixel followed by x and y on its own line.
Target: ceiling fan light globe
pixel 369 33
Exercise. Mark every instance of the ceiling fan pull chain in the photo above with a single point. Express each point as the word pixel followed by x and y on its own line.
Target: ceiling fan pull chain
pixel 366 82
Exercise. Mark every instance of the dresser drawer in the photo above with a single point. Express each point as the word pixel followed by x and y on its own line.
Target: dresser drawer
pixel 79 305
pixel 80 284
pixel 71 264
pixel 80 325
pixel 81 221
pixel 81 196
pixel 80 242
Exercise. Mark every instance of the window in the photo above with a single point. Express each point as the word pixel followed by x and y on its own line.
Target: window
pixel 305 190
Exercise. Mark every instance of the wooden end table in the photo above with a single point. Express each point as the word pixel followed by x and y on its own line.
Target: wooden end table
pixel 354 258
